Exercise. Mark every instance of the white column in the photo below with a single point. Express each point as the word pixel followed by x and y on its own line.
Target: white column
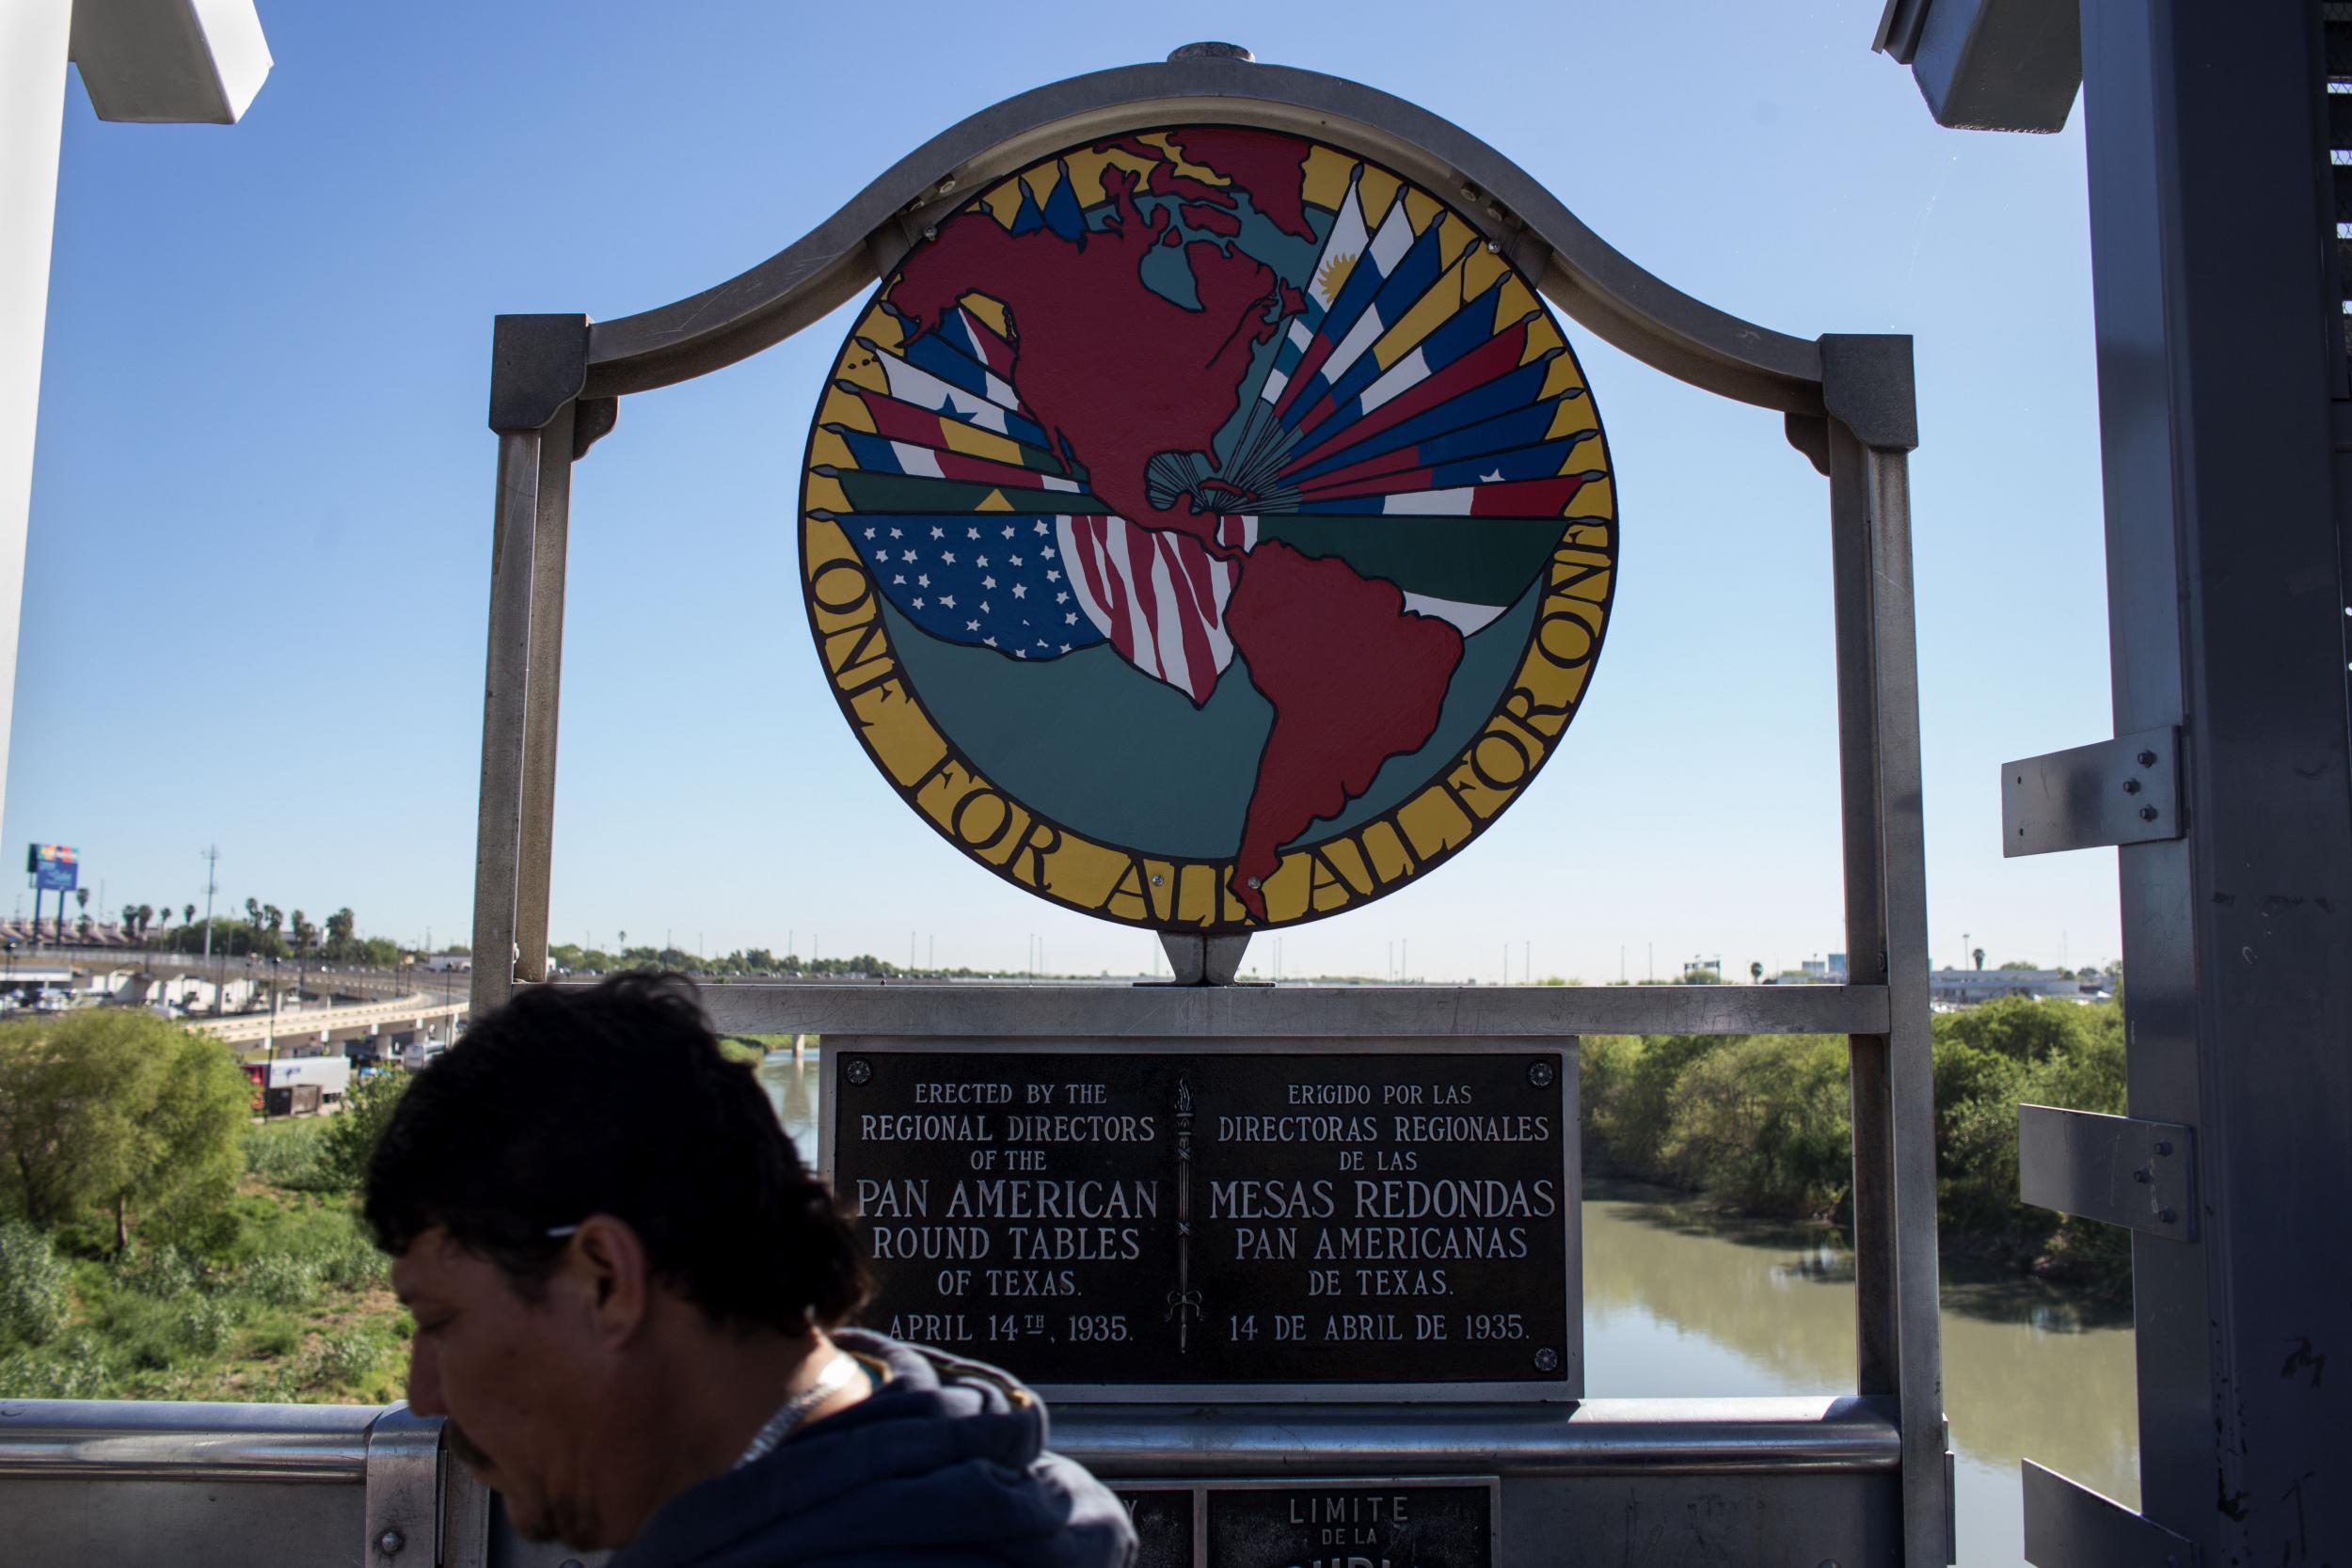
pixel 34 37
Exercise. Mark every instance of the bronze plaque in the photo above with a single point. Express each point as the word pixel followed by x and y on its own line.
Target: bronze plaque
pixel 1175 1218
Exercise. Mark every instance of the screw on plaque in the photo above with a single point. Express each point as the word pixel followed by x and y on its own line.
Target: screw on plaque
pixel 1546 1360
pixel 859 1071
pixel 1540 1072
pixel 390 1542
pixel 2131 786
pixel 2147 813
pixel 2147 759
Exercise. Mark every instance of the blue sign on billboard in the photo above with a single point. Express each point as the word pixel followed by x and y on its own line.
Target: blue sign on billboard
pixel 54 867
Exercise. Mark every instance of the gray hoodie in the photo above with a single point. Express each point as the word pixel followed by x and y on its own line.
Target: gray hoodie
pixel 942 1466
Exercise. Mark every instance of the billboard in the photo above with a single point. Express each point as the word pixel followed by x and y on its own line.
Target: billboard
pixel 54 867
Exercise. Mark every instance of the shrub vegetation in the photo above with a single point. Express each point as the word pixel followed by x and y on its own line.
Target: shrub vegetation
pixel 156 1244
pixel 1761 1123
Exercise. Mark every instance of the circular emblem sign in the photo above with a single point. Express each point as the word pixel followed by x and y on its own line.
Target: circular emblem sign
pixel 1206 530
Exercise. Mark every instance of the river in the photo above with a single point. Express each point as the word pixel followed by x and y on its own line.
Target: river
pixel 1681 1304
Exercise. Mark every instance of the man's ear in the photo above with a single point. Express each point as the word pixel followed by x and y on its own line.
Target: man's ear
pixel 607 1269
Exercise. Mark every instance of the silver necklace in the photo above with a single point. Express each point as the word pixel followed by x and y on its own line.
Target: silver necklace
pixel 795 1410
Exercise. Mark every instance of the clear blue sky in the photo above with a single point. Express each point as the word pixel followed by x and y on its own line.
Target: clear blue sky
pixel 255 594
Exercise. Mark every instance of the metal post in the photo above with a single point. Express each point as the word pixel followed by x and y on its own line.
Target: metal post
pixel 1872 424
pixel 505 717
pixel 2227 467
pixel 1928 1522
pixel 539 364
pixel 534 865
pixel 1877 1329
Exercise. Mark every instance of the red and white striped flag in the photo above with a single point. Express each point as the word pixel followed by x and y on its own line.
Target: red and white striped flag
pixel 1158 597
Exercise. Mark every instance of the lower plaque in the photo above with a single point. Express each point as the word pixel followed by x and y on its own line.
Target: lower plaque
pixel 1316 1524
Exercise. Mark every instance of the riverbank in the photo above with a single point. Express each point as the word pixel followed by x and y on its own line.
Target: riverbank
pixel 1759 1125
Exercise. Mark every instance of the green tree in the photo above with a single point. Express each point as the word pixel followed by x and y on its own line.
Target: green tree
pixel 1763 1123
pixel 187 915
pixel 1645 1105
pixel 2020 1028
pixel 121 1109
pixel 33 1298
pixel 350 1138
pixel 340 927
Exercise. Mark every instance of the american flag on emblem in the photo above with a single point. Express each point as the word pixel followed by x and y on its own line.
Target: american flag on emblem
pixel 1036 588
pixel 1159 598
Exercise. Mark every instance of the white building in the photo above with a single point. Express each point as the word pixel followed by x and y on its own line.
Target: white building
pixel 1961 987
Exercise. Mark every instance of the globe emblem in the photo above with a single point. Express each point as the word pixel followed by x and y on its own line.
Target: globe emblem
pixel 1208 529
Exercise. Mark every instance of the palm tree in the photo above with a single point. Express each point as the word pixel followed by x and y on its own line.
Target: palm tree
pixel 1979 954
pixel 1756 973
pixel 187 915
pixel 166 913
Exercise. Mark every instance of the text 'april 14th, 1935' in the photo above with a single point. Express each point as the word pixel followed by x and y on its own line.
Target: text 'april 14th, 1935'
pixel 1164 1217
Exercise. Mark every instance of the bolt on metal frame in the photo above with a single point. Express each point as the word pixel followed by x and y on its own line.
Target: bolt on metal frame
pixel 1849 405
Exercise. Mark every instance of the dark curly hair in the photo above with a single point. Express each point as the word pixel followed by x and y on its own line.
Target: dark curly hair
pixel 615 1099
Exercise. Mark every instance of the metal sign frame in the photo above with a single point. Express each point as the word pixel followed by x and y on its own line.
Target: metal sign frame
pixel 1565 1389
pixel 1848 404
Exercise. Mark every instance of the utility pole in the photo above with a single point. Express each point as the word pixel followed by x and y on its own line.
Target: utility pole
pixel 212 885
pixel 269 1075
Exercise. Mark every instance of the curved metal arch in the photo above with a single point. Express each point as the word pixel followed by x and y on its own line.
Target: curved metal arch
pixel 1596 285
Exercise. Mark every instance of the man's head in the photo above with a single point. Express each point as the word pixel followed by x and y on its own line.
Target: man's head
pixel 589 1210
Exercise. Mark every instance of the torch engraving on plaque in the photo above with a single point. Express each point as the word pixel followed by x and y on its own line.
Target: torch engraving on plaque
pixel 1183 1303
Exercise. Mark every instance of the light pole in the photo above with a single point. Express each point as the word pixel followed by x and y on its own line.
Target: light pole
pixel 269 1076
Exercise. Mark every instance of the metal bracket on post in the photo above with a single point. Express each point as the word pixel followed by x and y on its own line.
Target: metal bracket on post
pixel 2112 792
pixel 1196 960
pixel 2068 1524
pixel 403 1482
pixel 1867 385
pixel 2119 1170
pixel 538 363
